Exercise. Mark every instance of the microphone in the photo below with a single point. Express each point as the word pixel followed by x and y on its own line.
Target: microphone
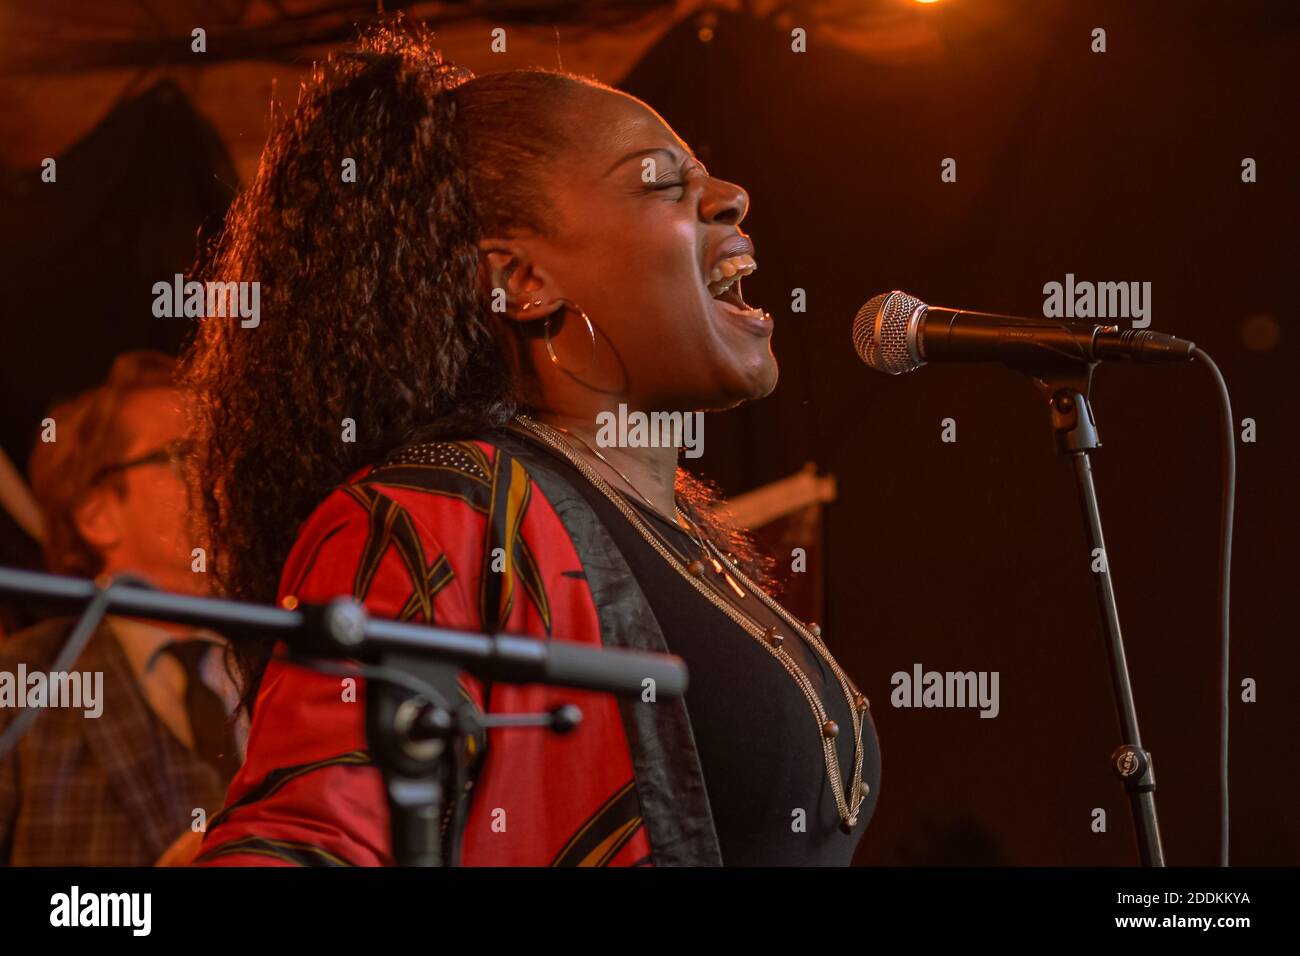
pixel 896 333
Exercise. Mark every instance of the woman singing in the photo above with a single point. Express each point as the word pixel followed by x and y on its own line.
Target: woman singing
pixel 458 275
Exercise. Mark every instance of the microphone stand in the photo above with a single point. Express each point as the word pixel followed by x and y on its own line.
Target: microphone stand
pixel 1066 384
pixel 416 734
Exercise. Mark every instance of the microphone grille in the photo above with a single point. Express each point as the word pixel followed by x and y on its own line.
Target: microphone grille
pixel 881 333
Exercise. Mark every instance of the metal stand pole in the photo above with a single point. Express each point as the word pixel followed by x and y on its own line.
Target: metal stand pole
pixel 1076 436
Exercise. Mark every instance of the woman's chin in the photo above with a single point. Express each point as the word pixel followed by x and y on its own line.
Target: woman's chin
pixel 769 374
pixel 752 380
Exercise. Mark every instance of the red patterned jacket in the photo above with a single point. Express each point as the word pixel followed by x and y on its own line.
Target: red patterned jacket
pixel 413 539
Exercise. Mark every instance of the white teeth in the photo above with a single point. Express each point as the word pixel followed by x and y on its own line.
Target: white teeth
pixel 726 272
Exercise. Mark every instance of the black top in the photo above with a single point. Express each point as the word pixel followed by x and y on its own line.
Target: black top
pixel 758 739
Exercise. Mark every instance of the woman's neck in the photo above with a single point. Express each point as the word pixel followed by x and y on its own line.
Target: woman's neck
pixel 651 472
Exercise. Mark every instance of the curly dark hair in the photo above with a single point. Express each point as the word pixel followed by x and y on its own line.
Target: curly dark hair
pixel 371 301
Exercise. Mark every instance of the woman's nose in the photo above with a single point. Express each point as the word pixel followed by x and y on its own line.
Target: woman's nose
pixel 723 202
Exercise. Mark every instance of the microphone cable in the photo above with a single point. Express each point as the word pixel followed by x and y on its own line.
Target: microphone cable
pixel 1225 587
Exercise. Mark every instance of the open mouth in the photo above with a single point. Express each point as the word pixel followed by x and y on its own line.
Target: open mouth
pixel 724 285
pixel 724 280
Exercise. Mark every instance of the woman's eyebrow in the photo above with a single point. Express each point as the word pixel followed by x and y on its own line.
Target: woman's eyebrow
pixel 671 154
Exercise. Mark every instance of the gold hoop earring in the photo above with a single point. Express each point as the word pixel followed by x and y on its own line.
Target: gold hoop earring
pixel 550 348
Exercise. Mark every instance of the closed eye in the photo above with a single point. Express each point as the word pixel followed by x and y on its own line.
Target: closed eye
pixel 679 183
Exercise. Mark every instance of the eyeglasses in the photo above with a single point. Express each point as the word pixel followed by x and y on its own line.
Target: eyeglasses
pixel 172 453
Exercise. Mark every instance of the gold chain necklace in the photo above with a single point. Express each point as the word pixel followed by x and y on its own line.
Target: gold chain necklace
pixel 684 521
pixel 768 638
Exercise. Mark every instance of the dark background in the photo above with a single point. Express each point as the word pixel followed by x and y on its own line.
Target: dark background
pixel 1122 166
pixel 971 556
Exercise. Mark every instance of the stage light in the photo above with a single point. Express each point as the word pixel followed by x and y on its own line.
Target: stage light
pixel 706 24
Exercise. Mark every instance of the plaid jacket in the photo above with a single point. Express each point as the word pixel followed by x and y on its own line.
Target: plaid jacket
pixel 415 539
pixel 114 790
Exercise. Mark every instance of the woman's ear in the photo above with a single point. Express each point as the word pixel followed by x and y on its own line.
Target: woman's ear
pixel 517 289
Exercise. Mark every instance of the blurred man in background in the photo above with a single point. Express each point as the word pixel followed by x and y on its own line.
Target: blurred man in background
pixel 120 788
